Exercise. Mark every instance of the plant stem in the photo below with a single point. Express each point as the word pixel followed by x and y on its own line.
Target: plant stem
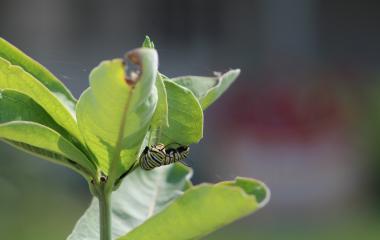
pixel 104 198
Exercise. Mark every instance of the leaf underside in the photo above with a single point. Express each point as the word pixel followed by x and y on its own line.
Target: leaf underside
pixel 201 210
pixel 163 205
pixel 141 195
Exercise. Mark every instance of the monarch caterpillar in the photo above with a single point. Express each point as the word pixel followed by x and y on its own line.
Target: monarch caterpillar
pixel 158 155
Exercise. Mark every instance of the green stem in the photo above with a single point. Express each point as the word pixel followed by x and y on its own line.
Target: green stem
pixel 105 214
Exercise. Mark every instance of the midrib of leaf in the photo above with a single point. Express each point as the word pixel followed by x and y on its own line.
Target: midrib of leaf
pixel 116 156
pixel 153 204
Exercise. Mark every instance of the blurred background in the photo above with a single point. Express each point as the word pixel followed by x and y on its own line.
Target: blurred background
pixel 304 116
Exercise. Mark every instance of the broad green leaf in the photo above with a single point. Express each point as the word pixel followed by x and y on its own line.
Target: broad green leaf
pixel 47 143
pixel 14 77
pixel 16 106
pixel 115 112
pixel 40 73
pixel 203 209
pixel 208 89
pixel 28 126
pixel 141 195
pixel 185 116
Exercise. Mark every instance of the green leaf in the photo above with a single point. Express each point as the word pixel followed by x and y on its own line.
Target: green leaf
pixel 47 143
pixel 160 117
pixel 141 195
pixel 200 86
pixel 14 77
pixel 185 116
pixel 115 112
pixel 208 89
pixel 16 106
pixel 26 125
pixel 203 209
pixel 162 204
pixel 40 73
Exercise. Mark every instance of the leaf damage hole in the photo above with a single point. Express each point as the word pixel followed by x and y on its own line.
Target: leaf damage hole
pixel 132 65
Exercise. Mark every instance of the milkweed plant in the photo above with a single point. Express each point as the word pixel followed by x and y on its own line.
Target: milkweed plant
pixel 129 108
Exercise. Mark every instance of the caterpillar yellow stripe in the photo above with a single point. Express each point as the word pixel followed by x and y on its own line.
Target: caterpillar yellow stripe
pixel 158 155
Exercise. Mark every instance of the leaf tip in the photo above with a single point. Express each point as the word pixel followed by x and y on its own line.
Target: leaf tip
pixel 147 42
pixel 256 188
pixel 233 73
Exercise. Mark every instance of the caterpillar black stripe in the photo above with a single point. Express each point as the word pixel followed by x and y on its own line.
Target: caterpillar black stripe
pixel 157 155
